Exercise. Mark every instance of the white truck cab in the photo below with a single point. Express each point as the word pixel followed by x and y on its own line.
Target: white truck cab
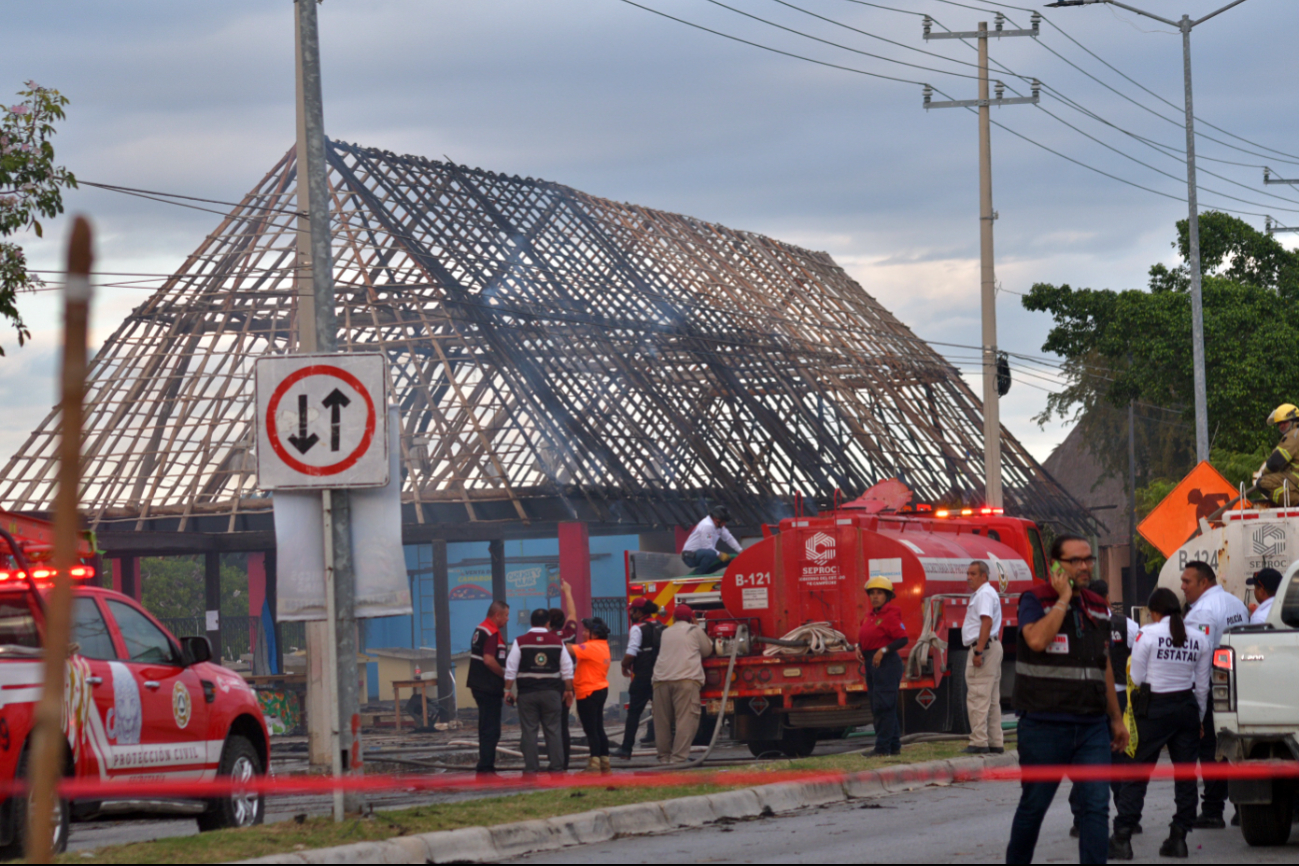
pixel 1255 694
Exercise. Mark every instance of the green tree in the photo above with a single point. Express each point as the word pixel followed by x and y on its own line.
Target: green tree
pixel 172 586
pixel 31 187
pixel 1135 345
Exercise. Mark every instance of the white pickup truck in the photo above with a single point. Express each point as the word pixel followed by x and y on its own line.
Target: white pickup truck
pixel 1256 710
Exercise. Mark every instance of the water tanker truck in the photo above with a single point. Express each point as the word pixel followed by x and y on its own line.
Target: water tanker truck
pixel 781 601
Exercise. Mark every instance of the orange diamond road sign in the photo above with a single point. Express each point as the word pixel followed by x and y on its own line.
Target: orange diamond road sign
pixel 1175 520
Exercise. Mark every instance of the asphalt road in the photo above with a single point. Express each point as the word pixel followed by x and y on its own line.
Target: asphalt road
pixel 967 823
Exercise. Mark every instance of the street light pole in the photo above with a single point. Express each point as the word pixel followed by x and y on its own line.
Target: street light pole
pixel 1186 25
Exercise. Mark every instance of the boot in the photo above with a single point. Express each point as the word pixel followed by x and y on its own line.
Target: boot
pixel 1121 845
pixel 1175 844
pixel 605 767
pixel 593 766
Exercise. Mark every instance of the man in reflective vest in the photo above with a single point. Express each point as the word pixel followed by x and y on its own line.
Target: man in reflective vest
pixel 487 654
pixel 544 671
pixel 1064 693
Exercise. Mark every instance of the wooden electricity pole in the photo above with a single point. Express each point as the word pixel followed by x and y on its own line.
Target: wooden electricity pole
pixel 987 272
pixel 47 734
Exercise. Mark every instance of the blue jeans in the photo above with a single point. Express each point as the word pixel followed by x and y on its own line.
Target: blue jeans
pixel 704 561
pixel 1056 743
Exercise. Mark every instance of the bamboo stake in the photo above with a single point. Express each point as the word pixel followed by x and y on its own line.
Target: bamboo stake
pixel 48 737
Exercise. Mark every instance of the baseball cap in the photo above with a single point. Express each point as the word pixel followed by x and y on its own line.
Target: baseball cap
pixel 639 602
pixel 683 611
pixel 1268 578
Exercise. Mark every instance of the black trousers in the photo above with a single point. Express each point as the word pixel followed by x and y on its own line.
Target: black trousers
pixel 590 712
pixel 1173 721
pixel 1075 793
pixel 640 692
pixel 882 685
pixel 1215 790
pixel 489 728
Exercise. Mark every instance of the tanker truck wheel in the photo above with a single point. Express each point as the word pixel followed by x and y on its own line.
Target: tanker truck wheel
pixel 957 692
pixel 798 742
pixel 769 748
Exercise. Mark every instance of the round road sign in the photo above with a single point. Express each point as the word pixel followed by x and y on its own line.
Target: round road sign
pixel 344 443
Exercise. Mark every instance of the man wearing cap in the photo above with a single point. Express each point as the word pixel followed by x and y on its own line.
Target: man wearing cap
pixel 881 636
pixel 1265 582
pixel 638 664
pixel 711 545
pixel 678 679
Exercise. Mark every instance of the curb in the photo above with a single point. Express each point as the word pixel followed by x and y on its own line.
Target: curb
pixel 503 841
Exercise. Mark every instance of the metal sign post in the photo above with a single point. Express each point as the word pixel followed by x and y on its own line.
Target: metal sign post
pixel 322 424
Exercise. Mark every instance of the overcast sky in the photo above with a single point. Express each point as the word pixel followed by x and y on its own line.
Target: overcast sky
pixel 197 98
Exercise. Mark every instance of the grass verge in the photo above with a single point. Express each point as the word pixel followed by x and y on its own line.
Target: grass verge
pixel 288 836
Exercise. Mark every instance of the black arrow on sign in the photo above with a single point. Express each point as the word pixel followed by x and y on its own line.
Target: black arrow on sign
pixel 302 441
pixel 335 403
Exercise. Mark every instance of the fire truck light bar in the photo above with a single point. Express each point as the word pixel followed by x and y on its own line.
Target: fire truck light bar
pixel 970 512
pixel 77 572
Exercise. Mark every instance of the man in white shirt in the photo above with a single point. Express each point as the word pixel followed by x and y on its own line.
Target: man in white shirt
pixel 980 634
pixel 1265 582
pixel 1213 612
pixel 710 546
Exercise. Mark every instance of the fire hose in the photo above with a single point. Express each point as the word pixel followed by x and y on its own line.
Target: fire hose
pixel 928 642
pixel 814 638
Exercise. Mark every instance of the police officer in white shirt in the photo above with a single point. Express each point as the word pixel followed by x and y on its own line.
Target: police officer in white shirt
pixel 1213 612
pixel 711 544
pixel 1170 670
pixel 981 633
pixel 1266 581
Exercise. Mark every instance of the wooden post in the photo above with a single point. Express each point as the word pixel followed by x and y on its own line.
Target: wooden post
pixel 500 592
pixel 442 628
pixel 212 599
pixel 48 740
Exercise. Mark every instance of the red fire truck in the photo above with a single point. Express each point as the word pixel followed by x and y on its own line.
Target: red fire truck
pixel 139 704
pixel 813 570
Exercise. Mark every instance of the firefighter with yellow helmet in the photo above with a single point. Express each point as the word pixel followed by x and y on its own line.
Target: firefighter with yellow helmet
pixel 882 635
pixel 1279 476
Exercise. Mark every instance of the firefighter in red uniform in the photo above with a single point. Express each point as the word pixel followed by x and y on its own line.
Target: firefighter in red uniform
pixel 882 635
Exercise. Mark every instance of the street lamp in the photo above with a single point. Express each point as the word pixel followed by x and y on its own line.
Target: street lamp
pixel 1193 223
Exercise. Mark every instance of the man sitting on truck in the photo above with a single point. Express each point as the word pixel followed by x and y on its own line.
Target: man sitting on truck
pixel 710 546
pixel 1265 581
pixel 1280 474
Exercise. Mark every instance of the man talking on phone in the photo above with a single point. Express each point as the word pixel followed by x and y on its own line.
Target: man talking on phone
pixel 1064 694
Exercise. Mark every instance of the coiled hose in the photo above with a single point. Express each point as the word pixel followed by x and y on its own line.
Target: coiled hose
pixel 814 638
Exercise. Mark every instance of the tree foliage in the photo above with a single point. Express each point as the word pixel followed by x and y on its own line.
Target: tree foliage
pixel 31 187
pixel 1135 345
pixel 172 586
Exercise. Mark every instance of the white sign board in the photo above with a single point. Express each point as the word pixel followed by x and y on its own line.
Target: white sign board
pixel 321 421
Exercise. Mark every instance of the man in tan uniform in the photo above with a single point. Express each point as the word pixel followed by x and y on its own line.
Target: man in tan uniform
pixel 678 679
pixel 1280 474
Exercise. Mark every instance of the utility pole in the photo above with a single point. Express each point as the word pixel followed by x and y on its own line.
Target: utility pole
pixel 1130 589
pixel 318 332
pixel 987 272
pixel 1186 25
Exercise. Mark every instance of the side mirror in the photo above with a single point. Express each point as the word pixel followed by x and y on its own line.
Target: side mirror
pixel 195 650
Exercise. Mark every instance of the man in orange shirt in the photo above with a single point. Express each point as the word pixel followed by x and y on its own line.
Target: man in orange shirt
pixel 591 685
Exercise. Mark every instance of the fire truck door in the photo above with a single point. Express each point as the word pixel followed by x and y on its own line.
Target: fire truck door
pixel 93 749
pixel 174 725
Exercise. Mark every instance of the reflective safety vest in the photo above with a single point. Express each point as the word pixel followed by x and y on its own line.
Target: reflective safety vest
pixel 539 661
pixel 651 631
pixel 1069 675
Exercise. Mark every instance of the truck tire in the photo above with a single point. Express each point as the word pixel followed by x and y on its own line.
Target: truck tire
pixel 798 742
pixel 770 748
pixel 240 762
pixel 957 692
pixel 17 809
pixel 1266 826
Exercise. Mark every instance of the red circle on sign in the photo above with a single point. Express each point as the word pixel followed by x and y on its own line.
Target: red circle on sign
pixel 273 431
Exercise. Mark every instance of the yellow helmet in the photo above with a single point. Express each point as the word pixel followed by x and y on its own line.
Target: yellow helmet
pixel 879 583
pixel 1284 412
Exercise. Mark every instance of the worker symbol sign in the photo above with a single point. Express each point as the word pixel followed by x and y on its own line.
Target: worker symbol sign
pixel 322 422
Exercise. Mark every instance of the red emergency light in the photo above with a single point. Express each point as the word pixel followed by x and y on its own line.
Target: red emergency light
pixel 77 572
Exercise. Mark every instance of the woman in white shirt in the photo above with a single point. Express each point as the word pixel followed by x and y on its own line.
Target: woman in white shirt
pixel 1170 669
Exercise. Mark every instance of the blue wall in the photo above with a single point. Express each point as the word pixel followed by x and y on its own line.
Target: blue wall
pixel 532 578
